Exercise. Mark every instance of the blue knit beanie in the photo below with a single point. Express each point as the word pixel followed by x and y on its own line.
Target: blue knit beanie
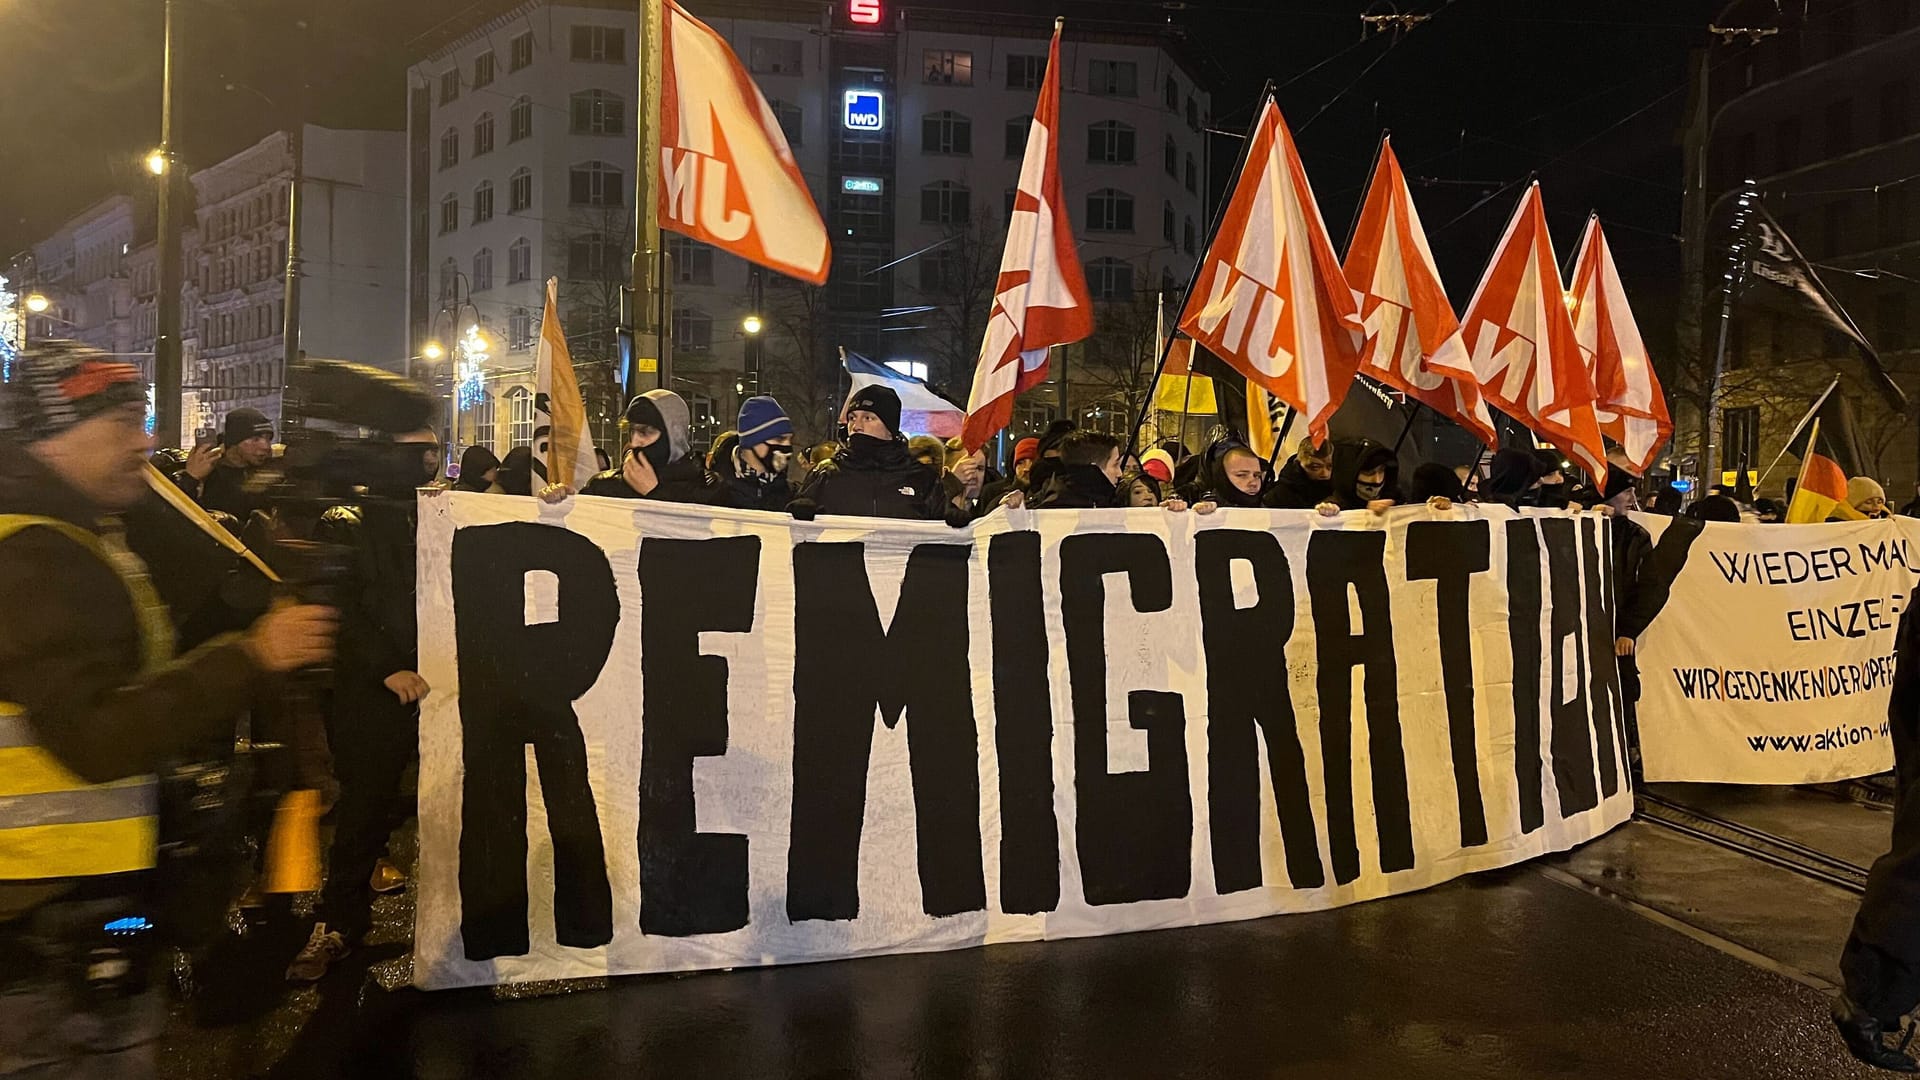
pixel 762 420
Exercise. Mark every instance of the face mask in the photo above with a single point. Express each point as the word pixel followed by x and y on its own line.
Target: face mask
pixel 658 453
pixel 1552 496
pixel 866 445
pixel 1042 471
pixel 773 464
pixel 1368 492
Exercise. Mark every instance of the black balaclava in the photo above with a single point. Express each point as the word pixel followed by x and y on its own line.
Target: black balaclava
pixel 659 452
pixel 1046 468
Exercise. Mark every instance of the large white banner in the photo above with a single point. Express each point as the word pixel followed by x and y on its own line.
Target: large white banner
pixel 1772 659
pixel 667 738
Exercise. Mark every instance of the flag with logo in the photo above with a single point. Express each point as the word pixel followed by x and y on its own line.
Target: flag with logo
pixel 1821 491
pixel 562 442
pixel 1040 298
pixel 1410 340
pixel 1271 298
pixel 727 176
pixel 1520 339
pixel 1628 403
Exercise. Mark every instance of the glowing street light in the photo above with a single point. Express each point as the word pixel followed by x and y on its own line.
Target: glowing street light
pixel 38 302
pixel 751 324
pixel 157 162
pixel 432 350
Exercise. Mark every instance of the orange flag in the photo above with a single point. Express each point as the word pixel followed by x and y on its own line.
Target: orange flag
pixel 727 176
pixel 1521 341
pixel 1271 299
pixel 1630 406
pixel 1410 341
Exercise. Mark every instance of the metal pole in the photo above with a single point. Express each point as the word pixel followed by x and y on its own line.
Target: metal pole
pixel 1735 275
pixel 649 326
pixel 290 313
pixel 166 344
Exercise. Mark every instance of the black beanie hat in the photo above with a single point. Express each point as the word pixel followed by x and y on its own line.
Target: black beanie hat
pixel 243 424
pixel 882 402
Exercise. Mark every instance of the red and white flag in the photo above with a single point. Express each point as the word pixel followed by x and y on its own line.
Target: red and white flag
pixel 1040 299
pixel 727 176
pixel 1410 327
pixel 1628 402
pixel 1271 298
pixel 1520 338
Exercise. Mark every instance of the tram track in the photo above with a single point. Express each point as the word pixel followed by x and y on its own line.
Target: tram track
pixel 1746 840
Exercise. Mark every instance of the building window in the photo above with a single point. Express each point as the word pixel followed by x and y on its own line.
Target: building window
pixel 1110 142
pixel 519 261
pixel 946 67
pixel 788 116
pixel 520 52
pixel 1025 72
pixel 1113 78
pixel 595 184
pixel 597 112
pixel 1018 129
pixel 1893 110
pixel 520 416
pixel 1171 94
pixel 520 119
pixel 1839 127
pixel 692 330
pixel 483 202
pixel 591 257
pixel 692 260
pixel 449 148
pixel 1786 144
pixel 1193 175
pixel 1187 236
pixel 1168 219
pixel 600 44
pixel 483 135
pixel 483 420
pixel 449 85
pixel 449 279
pixel 1740 430
pixel 483 270
pixel 519 190
pixel 940 273
pixel 1012 193
pixel 1109 210
pixel 944 203
pixel 1110 279
pixel 774 56
pixel 483 70
pixel 946 132
pixel 449 214
pixel 1170 158
pixel 520 329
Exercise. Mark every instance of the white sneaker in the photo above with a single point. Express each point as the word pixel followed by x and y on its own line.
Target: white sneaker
pixel 322 950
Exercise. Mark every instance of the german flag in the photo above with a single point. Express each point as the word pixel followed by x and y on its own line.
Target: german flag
pixel 1821 492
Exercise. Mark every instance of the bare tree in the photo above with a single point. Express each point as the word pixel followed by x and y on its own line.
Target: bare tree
pixel 594 251
pixel 1114 369
pixel 955 279
pixel 798 364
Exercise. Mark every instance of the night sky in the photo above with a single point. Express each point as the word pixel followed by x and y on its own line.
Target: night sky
pixel 1587 93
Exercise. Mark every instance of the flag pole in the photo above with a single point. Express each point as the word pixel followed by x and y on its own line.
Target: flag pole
pixel 1736 274
pixel 1359 207
pixel 1193 278
pixel 1412 415
pixel 647 284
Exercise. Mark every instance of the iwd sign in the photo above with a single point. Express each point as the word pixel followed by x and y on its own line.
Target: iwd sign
pixel 668 738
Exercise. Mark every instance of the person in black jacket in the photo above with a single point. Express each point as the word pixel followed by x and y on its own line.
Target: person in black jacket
pixel 1364 476
pixel 1230 474
pixel 478 469
pixel 875 476
pixel 377 690
pixel 1306 480
pixel 1089 470
pixel 658 463
pixel 222 475
pixel 755 471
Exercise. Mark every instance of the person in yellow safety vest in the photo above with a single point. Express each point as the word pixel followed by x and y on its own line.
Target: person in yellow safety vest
pixel 93 702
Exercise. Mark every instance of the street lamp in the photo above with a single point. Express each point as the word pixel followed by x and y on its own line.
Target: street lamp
pixel 157 161
pixel 38 303
pixel 751 324
pixel 432 350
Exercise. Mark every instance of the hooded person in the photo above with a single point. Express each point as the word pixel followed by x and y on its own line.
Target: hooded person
pixel 875 476
pixel 1048 448
pixel 1364 473
pixel 1306 480
pixel 1512 478
pixel 658 462
pixel 1555 491
pixel 478 470
pixel 755 471
pixel 1435 481
pixel 516 473
pixel 1089 470
pixel 1229 474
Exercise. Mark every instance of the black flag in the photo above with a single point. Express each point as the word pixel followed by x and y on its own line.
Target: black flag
pixel 1779 277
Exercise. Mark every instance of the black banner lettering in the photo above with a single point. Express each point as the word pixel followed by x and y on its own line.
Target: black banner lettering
pixel 1135 830
pixel 518 684
pixel 1023 727
pixel 1608 702
pixel 1572 737
pixel 690 882
pixel 1523 634
pixel 844 666
pixel 1449 553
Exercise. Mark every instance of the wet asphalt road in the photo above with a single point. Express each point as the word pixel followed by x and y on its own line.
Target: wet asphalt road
pixel 1514 973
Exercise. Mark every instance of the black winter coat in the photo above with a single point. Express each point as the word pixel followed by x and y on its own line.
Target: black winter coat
pixel 1638 594
pixel 1293 489
pixel 884 483
pixel 748 493
pixel 683 481
pixel 1076 487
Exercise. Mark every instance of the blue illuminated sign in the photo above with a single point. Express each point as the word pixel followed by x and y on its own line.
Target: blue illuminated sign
pixel 865 111
pixel 862 185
